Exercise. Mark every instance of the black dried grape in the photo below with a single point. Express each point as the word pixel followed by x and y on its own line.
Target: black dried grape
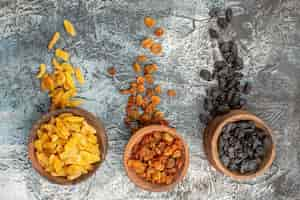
pixel 213 33
pixel 214 12
pixel 205 75
pixel 228 14
pixel 222 23
pixel 243 145
pixel 247 88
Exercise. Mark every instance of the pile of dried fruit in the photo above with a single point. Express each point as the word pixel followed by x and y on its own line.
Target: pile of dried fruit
pixel 228 92
pixel 144 96
pixel 242 146
pixel 67 146
pixel 157 158
pixel 60 83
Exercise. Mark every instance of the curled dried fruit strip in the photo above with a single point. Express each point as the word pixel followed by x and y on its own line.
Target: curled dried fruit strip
pixel 62 54
pixel 53 40
pixel 69 28
pixel 159 32
pixel 79 75
pixel 149 22
pixel 42 71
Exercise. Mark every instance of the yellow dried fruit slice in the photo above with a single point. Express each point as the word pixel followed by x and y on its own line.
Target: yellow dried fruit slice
pixel 74 119
pixel 64 55
pixel 42 71
pixel 53 40
pixel 38 145
pixel 74 103
pixel 67 67
pixel 56 64
pixel 69 28
pixel 79 75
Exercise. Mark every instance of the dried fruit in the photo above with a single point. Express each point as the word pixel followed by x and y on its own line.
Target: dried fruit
pixel 53 40
pixel 159 32
pixel 149 22
pixel 112 71
pixel 147 43
pixel 149 78
pixel 157 157
pixel 136 67
pixel 79 75
pixel 62 54
pixel 171 93
pixel 69 28
pixel 42 71
pixel 67 146
pixel 141 59
pixel 156 48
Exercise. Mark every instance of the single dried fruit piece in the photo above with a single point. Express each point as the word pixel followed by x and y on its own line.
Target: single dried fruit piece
pixel 47 83
pixel 155 100
pixel 79 75
pixel 56 64
pixel 139 100
pixel 42 71
pixel 157 89
pixel 112 71
pixel 53 40
pixel 62 54
pixel 69 28
pixel 149 78
pixel 136 67
pixel 140 80
pixel 149 22
pixel 156 48
pixel 159 32
pixel 171 93
pixel 141 88
pixel 141 59
pixel 147 43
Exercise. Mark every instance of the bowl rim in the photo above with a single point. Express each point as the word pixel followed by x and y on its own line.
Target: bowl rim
pixel 91 119
pixel 234 116
pixel 137 137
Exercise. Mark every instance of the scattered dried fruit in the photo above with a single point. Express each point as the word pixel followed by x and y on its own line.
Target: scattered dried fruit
pixel 67 146
pixel 79 75
pixel 147 43
pixel 171 93
pixel 42 71
pixel 112 71
pixel 136 67
pixel 159 32
pixel 69 28
pixel 156 48
pixel 62 54
pixel 157 157
pixel 141 59
pixel 53 40
pixel 149 22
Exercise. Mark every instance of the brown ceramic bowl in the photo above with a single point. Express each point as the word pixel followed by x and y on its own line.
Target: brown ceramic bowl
pixel 135 139
pixel 92 120
pixel 213 132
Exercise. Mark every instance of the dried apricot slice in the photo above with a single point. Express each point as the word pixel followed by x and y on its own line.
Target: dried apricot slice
pixel 53 40
pixel 159 32
pixel 147 43
pixel 149 22
pixel 69 28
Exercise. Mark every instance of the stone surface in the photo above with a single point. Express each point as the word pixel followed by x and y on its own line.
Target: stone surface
pixel 267 33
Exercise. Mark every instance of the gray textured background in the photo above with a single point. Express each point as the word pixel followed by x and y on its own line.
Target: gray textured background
pixel 268 34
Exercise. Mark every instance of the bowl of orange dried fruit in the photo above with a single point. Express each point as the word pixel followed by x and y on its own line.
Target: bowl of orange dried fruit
pixel 156 158
pixel 67 146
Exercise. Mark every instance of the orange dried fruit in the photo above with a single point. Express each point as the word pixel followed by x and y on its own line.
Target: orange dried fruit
pixel 149 22
pixel 139 100
pixel 64 55
pixel 157 89
pixel 141 88
pixel 155 100
pixel 112 71
pixel 53 40
pixel 147 43
pixel 69 28
pixel 140 80
pixel 171 93
pixel 159 32
pixel 156 48
pixel 149 78
pixel 141 59
pixel 136 67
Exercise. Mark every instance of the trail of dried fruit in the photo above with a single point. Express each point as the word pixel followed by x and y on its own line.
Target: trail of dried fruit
pixel 228 93
pixel 60 84
pixel 157 158
pixel 242 146
pixel 67 146
pixel 141 109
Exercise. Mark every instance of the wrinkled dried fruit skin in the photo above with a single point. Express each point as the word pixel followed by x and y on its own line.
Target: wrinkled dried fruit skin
pixel 157 158
pixel 67 146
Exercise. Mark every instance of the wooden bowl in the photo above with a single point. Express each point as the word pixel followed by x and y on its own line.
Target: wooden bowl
pixel 92 120
pixel 213 132
pixel 135 139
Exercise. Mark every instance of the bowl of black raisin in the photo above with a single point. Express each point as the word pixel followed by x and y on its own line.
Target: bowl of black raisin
pixel 239 144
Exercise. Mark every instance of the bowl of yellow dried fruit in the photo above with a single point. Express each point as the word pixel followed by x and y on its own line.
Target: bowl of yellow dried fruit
pixel 156 158
pixel 67 146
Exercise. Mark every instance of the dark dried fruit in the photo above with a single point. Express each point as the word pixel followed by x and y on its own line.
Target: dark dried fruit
pixel 213 33
pixel 228 14
pixel 222 23
pixel 205 75
pixel 214 12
